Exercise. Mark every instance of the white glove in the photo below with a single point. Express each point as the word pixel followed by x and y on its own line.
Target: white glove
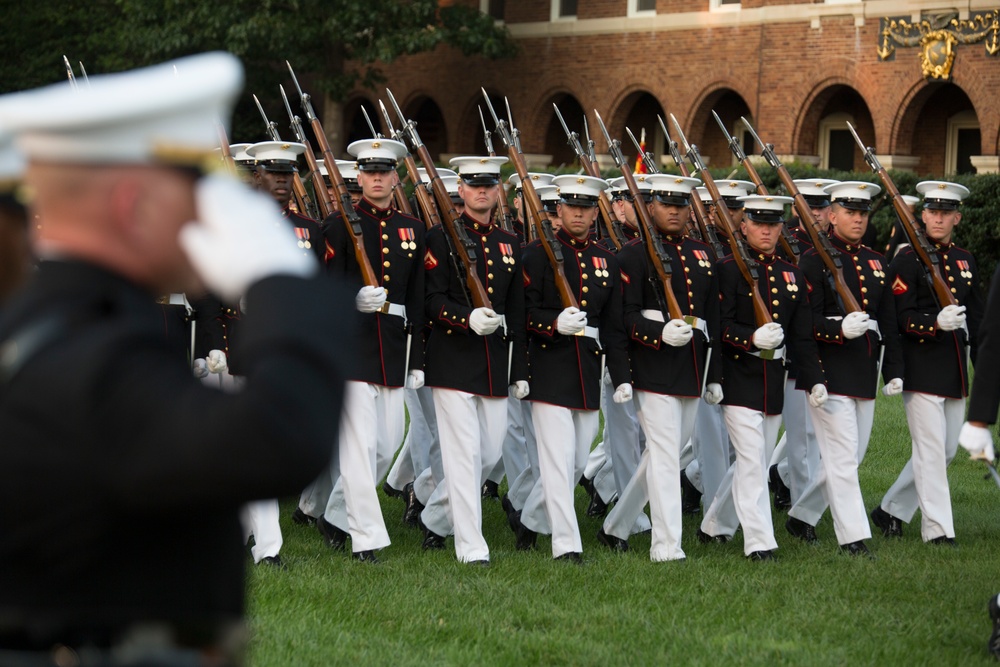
pixel 370 299
pixel 978 440
pixel 216 362
pixel 239 238
pixel 818 396
pixel 484 321
pixel 951 318
pixel 713 393
pixel 769 336
pixel 200 369
pixel 415 380
pixel 571 321
pixel 854 325
pixel 677 333
pixel 607 375
pixel 893 387
pixel 520 389
pixel 623 394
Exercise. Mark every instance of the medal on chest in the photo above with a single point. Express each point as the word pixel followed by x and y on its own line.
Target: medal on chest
pixel 876 266
pixel 600 266
pixel 702 258
pixel 790 283
pixel 303 235
pixel 965 270
pixel 406 236
pixel 507 253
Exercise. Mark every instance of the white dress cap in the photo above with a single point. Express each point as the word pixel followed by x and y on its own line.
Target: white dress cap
pixel 377 154
pixel 580 190
pixel 165 114
pixel 855 195
pixel 942 195
pixel 732 191
pixel 766 208
pixel 280 156
pixel 478 171
pixel 537 179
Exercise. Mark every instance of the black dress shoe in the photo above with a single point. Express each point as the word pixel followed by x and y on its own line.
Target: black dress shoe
pixel 858 548
pixel 411 515
pixel 612 542
pixel 597 508
pixel 782 494
pixel 759 556
pixel 525 536
pixel 391 492
pixel 690 496
pixel 273 561
pixel 303 519
pixel 335 538
pixel 572 557
pixel 587 484
pixel 513 516
pixel 705 538
pixel 491 490
pixel 365 557
pixel 994 646
pixel 944 539
pixel 887 523
pixel 802 530
pixel 479 563
pixel 432 541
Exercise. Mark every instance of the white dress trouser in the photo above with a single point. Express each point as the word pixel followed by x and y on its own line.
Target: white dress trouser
pixel 519 438
pixel 600 473
pixel 753 435
pixel 667 422
pixel 471 429
pixel 801 461
pixel 623 438
pixel 371 427
pixel 564 439
pixel 843 427
pixel 934 425
pixel 710 445
pixel 414 456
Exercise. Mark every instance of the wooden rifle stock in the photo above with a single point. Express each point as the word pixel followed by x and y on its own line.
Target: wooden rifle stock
pixel 424 200
pixel 227 155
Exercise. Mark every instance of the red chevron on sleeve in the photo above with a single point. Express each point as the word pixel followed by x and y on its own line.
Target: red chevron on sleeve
pixel 899 286
pixel 430 261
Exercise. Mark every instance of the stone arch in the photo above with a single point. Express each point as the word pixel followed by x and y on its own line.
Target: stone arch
pixel 636 109
pixel 723 98
pixel 431 125
pixel 834 97
pixel 549 136
pixel 923 125
pixel 355 127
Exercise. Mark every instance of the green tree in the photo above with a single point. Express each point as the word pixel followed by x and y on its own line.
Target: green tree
pixel 335 45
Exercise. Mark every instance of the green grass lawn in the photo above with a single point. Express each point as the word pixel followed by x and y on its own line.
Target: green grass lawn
pixel 915 604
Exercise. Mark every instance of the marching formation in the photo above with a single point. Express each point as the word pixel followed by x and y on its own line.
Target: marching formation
pixel 700 316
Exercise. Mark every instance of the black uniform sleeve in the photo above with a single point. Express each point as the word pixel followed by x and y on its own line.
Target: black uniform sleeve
pixel 612 329
pixel 985 399
pixel 442 285
pixel 514 312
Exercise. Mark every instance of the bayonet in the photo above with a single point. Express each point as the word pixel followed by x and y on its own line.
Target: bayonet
pixel 375 133
pixel 69 73
pixel 487 137
pixel 272 127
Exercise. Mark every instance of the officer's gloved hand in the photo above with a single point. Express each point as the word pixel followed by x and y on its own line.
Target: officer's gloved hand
pixel 484 321
pixel 623 394
pixel 769 336
pixel 677 333
pixel 951 318
pixel 854 325
pixel 370 299
pixel 571 321
pixel 239 238
pixel 415 380
pixel 978 441
pixel 520 389
pixel 818 396
pixel 200 368
pixel 893 387
pixel 216 362
pixel 713 393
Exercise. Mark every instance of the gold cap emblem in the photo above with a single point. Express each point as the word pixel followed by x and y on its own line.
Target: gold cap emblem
pixel 376 144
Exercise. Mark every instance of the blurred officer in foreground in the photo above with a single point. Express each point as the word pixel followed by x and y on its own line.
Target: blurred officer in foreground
pixel 15 256
pixel 976 435
pixel 137 546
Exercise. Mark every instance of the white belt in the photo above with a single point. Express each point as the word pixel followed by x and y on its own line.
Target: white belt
pixel 393 309
pixel 590 332
pixel 696 322
pixel 872 324
pixel 770 354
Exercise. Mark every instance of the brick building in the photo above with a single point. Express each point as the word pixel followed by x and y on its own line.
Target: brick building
pixel 798 69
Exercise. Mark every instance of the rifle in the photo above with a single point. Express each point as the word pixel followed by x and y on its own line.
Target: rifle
pixel 227 155
pixel 302 201
pixel 825 249
pixel 320 194
pixel 788 242
pixel 424 201
pixel 506 220
pixel 652 168
pixel 747 266
pixel 925 253
pixel 701 215
pixel 543 227
pixel 611 224
pixel 398 190
pixel 659 261
pixel 352 221
pixel 69 74
pixel 462 247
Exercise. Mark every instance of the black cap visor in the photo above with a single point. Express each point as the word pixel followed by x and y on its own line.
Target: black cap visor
pixel 673 198
pixel 942 204
pixel 582 201
pixel 378 164
pixel 854 203
pixel 764 217
pixel 278 166
pixel 481 180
